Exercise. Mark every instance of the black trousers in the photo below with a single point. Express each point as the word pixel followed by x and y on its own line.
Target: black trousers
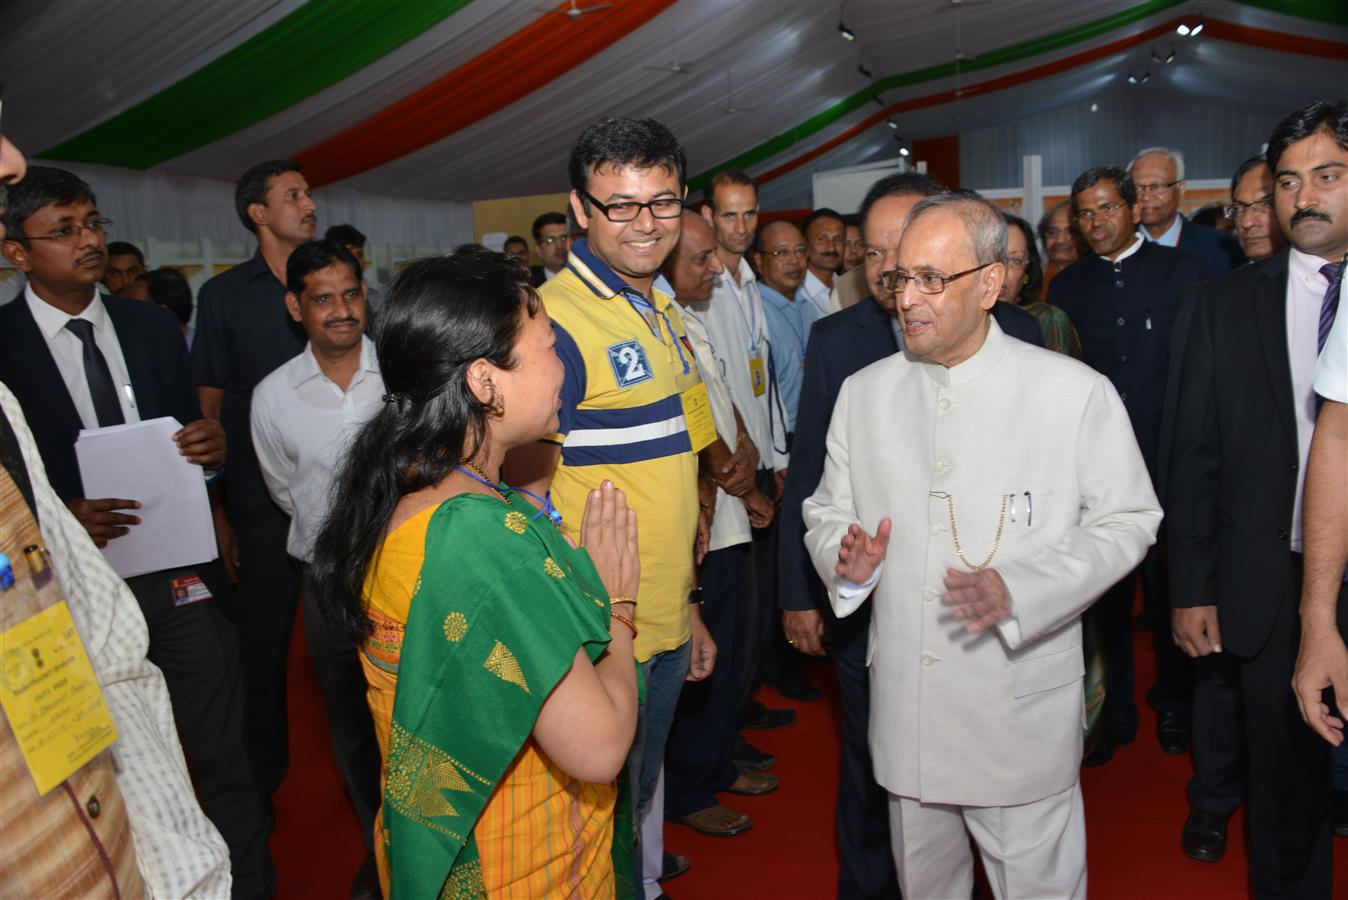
pixel 1288 807
pixel 1173 691
pixel 268 596
pixel 1112 619
pixel 1218 741
pixel 698 760
pixel 196 648
pixel 865 858
pixel 341 682
pixel 758 621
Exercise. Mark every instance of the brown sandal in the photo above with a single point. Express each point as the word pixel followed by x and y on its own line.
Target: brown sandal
pixel 754 784
pixel 716 821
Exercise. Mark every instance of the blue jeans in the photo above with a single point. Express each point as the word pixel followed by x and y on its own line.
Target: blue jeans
pixel 664 674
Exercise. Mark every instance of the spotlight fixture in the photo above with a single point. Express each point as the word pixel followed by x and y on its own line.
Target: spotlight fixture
pixel 1132 79
pixel 1194 32
pixel 861 67
pixel 904 151
pixel 1163 60
pixel 892 124
pixel 1095 107
pixel 1146 76
pixel 847 34
pixel 1184 29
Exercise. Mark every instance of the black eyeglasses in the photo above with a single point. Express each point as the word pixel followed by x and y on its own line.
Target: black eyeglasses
pixel 72 231
pixel 628 210
pixel 928 282
pixel 1156 187
pixel 1237 210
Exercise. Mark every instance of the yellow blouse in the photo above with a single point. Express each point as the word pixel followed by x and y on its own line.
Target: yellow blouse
pixel 542 832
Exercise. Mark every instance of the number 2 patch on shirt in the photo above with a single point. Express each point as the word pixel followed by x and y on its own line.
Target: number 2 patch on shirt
pixel 629 363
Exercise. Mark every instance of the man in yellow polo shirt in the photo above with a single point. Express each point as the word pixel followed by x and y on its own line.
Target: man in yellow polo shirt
pixel 634 412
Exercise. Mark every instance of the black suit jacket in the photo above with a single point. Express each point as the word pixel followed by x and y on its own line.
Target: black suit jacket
pixel 1220 252
pixel 1233 465
pixel 156 359
pixel 840 345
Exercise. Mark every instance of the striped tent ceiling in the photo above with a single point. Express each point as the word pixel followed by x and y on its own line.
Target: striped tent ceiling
pixel 474 99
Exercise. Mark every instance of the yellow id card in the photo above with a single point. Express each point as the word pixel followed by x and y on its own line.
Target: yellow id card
pixel 697 413
pixel 758 375
pixel 51 697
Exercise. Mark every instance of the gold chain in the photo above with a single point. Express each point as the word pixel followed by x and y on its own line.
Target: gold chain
pixel 955 534
pixel 485 480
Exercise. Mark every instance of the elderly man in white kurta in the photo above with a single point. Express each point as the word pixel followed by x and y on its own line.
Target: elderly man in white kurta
pixel 987 491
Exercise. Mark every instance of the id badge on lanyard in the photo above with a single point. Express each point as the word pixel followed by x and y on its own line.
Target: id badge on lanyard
pixel 758 375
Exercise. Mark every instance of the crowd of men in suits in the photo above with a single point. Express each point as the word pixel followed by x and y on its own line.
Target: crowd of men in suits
pixel 1199 384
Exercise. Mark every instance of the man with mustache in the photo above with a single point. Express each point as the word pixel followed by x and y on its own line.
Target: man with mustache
pixel 1251 210
pixel 1123 299
pixel 780 257
pixel 824 233
pixel 243 333
pixel 1158 174
pixel 77 359
pixel 304 415
pixel 1245 412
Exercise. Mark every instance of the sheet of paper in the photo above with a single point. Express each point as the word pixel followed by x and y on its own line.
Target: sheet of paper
pixel 139 461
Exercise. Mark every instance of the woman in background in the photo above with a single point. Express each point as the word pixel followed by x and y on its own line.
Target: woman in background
pixel 1024 282
pixel 498 655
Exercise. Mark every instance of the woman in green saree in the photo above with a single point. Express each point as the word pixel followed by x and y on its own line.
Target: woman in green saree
pixel 498 655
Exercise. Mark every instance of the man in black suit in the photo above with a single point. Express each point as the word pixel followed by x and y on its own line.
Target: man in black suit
pixel 1123 298
pixel 1158 174
pixel 841 345
pixel 550 240
pixel 1244 413
pixel 77 360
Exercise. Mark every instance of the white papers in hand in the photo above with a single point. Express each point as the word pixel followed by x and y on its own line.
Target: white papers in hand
pixel 140 461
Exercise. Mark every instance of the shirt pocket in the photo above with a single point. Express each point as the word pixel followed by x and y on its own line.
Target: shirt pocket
pixel 1044 673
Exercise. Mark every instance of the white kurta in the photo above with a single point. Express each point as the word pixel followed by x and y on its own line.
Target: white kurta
pixel 993 719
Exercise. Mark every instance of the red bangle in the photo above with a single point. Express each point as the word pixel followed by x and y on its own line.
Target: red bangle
pixel 626 621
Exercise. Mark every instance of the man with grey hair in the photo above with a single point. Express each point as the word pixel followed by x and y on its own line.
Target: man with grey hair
pixel 1015 528
pixel 1158 173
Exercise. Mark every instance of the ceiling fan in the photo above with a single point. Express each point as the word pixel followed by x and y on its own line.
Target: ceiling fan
pixel 673 67
pixel 575 11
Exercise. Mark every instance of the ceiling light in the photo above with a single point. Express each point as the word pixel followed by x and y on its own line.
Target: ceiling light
pixel 904 151
pixel 848 34
pixel 1182 30
pixel 1132 79
pixel 1095 107
pixel 1170 57
pixel 1146 76
pixel 1193 32
pixel 892 124
pixel 861 67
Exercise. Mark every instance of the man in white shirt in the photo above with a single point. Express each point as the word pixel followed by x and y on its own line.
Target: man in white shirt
pixel 1015 529
pixel 303 416
pixel 824 236
pixel 698 760
pixel 738 332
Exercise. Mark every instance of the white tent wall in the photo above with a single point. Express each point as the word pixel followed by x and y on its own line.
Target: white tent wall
pixel 189 221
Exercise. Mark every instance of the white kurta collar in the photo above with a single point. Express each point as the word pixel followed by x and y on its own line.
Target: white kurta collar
pixel 976 366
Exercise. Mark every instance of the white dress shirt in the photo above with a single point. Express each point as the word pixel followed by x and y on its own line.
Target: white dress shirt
pixel 302 423
pixel 1331 369
pixel 1170 237
pixel 68 352
pixel 178 850
pixel 1305 293
pixel 737 330
pixel 730 523
pixel 816 292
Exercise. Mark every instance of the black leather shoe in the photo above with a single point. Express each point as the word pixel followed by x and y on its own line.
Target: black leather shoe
pixel 762 717
pixel 1204 835
pixel 1172 733
pixel 748 758
pixel 673 865
pixel 1340 812
pixel 792 684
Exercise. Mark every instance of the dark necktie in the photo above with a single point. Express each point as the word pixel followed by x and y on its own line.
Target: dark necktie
pixel 1330 305
pixel 99 376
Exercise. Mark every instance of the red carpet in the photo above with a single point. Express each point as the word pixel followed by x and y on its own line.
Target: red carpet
pixel 1135 808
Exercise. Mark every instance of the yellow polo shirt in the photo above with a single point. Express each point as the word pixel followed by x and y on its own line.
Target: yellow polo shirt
pixel 622 420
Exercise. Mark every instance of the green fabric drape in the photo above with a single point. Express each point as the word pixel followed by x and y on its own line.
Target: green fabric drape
pixel 500 608
pixel 313 48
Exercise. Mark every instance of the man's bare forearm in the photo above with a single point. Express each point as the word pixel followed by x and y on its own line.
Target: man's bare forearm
pixel 1325 517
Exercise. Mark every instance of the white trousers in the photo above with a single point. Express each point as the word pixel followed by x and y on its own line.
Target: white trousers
pixel 652 827
pixel 1030 852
